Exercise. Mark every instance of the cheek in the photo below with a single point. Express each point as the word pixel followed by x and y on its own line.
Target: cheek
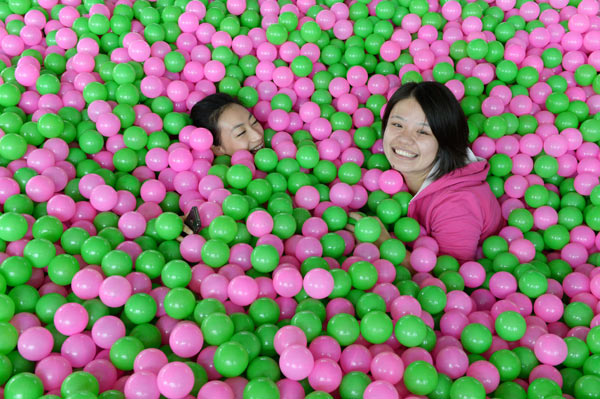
pixel 246 140
pixel 241 142
pixel 428 149
pixel 387 139
pixel 386 146
pixel 432 149
pixel 235 143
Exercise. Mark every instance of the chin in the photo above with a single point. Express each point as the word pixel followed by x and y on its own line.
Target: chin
pixel 398 168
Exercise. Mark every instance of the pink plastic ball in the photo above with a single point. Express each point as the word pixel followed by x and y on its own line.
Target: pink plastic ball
pixel 27 74
pixel 40 188
pixel 548 307
pixel 114 291
pixel 452 361
pixel 35 343
pixel 259 223
pixel 186 339
pixel 175 380
pixel 86 283
pixel 153 191
pixel 391 181
pixel 141 384
pixel 242 290
pixel 62 207
pixel 381 390
pixel 214 71
pixel 320 128
pixel 550 349
pixel 288 336
pixel 451 10
pixel 71 318
pixel 318 283
pixel 78 349
pixel 216 389
pixel 296 362
pixel 486 373
pixel 139 50
pixel 103 198
pixel 52 370
pixel 132 224
pixel 326 375
pixel 387 366
pixel 423 259
pixel 151 360
pixel 66 38
pixel 107 330
pixel 287 282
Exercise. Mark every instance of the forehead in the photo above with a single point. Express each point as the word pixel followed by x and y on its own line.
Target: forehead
pixel 407 107
pixel 408 110
pixel 233 114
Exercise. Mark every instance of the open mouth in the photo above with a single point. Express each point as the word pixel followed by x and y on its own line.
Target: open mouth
pixel 254 150
pixel 404 153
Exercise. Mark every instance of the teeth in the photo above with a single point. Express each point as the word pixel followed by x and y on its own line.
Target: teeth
pixel 404 153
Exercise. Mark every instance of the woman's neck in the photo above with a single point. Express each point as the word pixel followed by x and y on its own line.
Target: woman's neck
pixel 414 181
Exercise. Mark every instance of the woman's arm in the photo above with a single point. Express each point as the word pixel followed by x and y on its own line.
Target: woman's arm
pixel 384 236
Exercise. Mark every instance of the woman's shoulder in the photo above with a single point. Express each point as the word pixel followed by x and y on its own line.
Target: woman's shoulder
pixel 468 179
pixel 451 195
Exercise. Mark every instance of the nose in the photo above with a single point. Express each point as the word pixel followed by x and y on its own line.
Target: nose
pixel 255 135
pixel 406 138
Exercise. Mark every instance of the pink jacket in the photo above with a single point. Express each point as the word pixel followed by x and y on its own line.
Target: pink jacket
pixel 459 210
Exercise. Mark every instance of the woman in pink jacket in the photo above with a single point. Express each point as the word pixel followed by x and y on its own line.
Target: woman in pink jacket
pixel 425 138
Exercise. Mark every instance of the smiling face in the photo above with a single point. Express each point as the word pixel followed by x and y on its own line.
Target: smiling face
pixel 408 142
pixel 238 130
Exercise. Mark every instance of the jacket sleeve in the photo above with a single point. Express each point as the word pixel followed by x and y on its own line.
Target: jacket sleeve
pixel 457 224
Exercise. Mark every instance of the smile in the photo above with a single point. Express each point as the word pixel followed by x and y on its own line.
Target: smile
pixel 258 147
pixel 404 153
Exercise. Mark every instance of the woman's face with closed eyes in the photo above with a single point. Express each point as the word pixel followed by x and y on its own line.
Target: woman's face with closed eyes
pixel 238 130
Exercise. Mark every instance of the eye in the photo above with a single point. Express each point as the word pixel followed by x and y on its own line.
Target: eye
pixel 241 133
pixel 255 122
pixel 396 125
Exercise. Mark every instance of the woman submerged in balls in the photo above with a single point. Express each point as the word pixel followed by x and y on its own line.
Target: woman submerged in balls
pixel 232 126
pixel 233 129
pixel 425 138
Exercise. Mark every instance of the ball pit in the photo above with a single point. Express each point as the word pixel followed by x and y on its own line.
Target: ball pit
pixel 101 296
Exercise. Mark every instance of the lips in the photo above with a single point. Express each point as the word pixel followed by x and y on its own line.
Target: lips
pixel 405 153
pixel 257 148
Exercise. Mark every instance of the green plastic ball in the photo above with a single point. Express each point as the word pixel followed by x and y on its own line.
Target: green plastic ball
pixel 510 326
pixel 420 377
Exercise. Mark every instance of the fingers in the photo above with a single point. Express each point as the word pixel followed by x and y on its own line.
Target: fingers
pixel 350 228
pixel 355 215
pixel 187 230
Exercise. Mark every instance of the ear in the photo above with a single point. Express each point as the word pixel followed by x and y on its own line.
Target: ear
pixel 218 150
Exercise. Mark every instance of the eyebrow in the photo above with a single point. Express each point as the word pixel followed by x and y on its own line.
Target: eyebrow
pixel 401 118
pixel 241 124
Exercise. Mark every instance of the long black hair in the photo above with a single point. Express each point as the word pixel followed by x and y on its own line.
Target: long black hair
pixel 445 117
pixel 206 112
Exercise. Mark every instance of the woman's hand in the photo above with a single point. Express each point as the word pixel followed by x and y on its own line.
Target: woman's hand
pixel 406 263
pixel 385 235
